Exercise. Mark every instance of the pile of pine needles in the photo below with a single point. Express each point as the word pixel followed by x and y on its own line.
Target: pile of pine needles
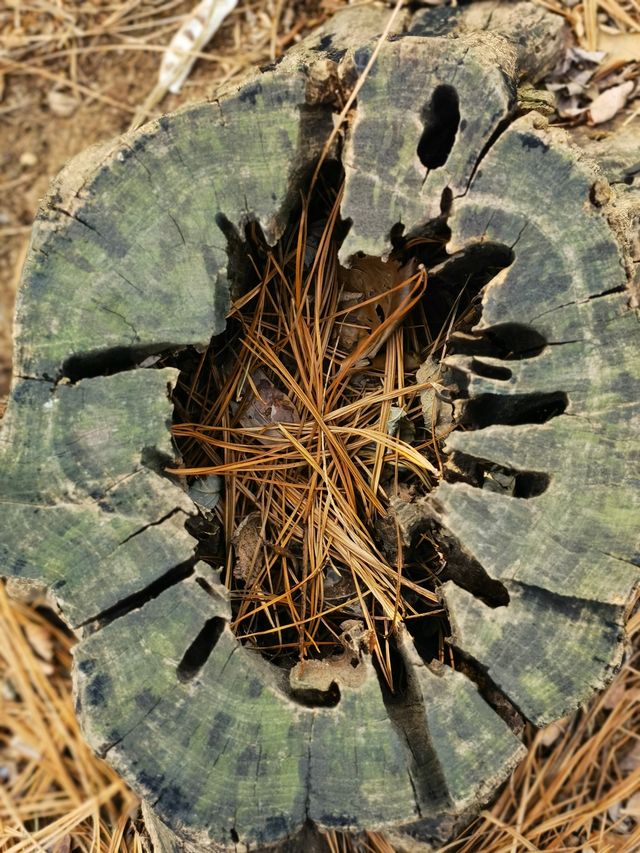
pixel 310 409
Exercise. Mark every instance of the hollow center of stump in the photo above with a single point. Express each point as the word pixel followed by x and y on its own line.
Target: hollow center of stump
pixel 304 427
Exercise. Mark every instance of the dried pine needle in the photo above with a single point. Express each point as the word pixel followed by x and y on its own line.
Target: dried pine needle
pixel 296 418
pixel 55 794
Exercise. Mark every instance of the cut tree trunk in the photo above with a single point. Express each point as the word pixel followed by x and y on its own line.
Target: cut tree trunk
pixel 132 256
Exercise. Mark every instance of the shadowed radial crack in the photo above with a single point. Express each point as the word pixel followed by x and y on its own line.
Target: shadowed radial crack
pixel 159 521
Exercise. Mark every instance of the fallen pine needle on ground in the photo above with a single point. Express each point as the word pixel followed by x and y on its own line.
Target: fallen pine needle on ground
pixel 55 795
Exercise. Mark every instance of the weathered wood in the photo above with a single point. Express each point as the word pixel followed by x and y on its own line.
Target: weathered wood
pixel 116 230
pixel 265 761
pixel 132 255
pixel 83 511
pixel 574 559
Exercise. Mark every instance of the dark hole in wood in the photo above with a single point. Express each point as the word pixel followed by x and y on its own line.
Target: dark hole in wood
pixel 106 362
pixel 200 649
pixel 455 283
pixel 446 201
pixel 509 341
pixel 513 410
pixel 155 459
pixel 234 835
pixel 310 698
pixel 491 371
pixel 530 484
pixel 484 474
pixel 441 119
pixel 396 237
pixel 208 534
pixel 426 244
pixel 206 586
pixel 140 598
pixel 428 635
pixel 465 571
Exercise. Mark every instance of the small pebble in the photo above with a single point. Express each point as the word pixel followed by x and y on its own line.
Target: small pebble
pixel 28 159
pixel 61 104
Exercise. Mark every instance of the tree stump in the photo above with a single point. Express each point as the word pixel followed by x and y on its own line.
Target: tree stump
pixel 132 255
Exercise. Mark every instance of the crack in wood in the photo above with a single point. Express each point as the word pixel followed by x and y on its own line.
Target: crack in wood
pixel 158 521
pixel 103 752
pixel 138 599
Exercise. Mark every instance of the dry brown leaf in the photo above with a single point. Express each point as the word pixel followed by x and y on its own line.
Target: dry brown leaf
pixel 609 103
pixel 247 542
pixel 367 285
pixel 264 405
pixel 625 46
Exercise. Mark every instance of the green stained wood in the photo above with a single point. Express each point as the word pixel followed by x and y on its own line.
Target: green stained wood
pixel 575 547
pixel 393 105
pixel 134 241
pixel 129 257
pixel 565 250
pixel 265 761
pixel 576 646
pixel 469 749
pixel 358 762
pixel 81 512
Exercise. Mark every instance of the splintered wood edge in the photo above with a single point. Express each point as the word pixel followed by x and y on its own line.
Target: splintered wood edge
pixel 102 492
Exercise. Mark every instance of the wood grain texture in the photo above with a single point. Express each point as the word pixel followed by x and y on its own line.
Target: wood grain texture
pixel 134 241
pixel 571 554
pixel 81 510
pixel 395 186
pixel 129 257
